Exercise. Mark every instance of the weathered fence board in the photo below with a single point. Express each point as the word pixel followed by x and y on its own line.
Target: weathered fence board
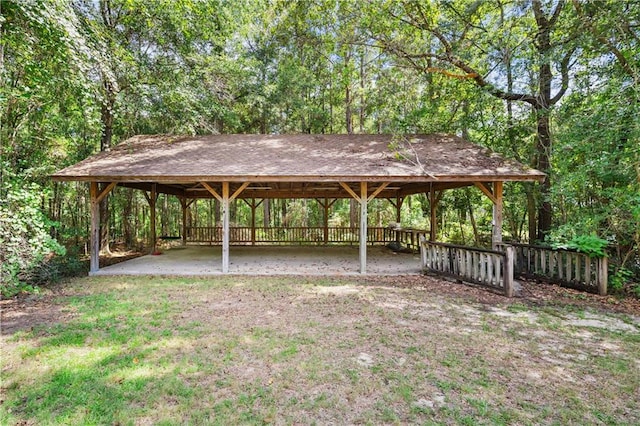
pixel 565 267
pixel 484 267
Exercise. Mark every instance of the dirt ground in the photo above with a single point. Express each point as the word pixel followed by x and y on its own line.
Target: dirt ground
pixel 407 349
pixel 268 260
pixel 24 312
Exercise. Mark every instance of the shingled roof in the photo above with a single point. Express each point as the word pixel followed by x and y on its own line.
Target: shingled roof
pixel 301 165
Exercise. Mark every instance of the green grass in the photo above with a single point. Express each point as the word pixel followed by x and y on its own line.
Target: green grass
pixel 240 350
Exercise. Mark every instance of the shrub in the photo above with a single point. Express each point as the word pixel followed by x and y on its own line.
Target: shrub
pixel 592 245
pixel 25 244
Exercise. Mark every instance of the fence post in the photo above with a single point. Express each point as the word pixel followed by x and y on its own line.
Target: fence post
pixel 508 271
pixel 423 253
pixel 603 271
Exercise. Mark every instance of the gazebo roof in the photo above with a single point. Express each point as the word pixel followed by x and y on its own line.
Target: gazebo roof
pixel 290 166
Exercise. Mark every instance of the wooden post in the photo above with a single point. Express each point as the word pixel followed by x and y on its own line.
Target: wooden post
pixel 433 204
pixel 507 275
pixel 399 201
pixel 152 206
pixel 363 227
pixel 326 221
pixel 497 215
pixel 95 229
pixel 603 276
pixel 224 199
pixel 225 227
pixel 183 204
pixel 253 221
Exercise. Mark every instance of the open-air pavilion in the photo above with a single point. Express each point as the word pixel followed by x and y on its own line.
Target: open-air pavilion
pixel 320 167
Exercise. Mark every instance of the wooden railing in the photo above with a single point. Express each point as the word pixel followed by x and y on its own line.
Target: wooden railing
pixel 565 267
pixel 244 235
pixel 484 267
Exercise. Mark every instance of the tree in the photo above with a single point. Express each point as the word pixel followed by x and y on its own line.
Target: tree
pixel 458 40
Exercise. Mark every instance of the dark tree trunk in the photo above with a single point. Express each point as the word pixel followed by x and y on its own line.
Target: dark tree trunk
pixel 353 213
pixel 348 115
pixel 541 109
pixel 266 216
pixel 106 116
pixel 126 219
pixel 362 100
pixel 543 149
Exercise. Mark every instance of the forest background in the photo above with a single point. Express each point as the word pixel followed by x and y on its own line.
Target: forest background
pixel 552 84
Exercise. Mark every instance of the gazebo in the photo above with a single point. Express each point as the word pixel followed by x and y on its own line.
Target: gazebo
pixel 323 167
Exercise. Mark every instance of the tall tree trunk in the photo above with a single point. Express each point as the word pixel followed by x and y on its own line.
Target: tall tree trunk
pixel 362 102
pixel 348 115
pixel 542 113
pixel 216 212
pixel 164 216
pixel 331 103
pixel 210 214
pixel 544 164
pixel 266 215
pixel 104 223
pixel 126 218
pixel 472 218
pixel 353 214
pixel 285 219
pixel 106 116
pixel 233 212
pixel 531 212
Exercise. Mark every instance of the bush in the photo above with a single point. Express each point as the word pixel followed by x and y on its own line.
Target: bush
pixel 591 245
pixel 25 244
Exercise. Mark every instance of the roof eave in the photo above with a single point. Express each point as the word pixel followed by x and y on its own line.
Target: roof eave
pixel 535 177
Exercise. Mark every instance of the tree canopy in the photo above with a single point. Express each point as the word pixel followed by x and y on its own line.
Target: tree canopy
pixel 553 84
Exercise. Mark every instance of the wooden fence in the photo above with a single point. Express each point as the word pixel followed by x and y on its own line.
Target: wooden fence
pixel 565 267
pixel 488 268
pixel 245 235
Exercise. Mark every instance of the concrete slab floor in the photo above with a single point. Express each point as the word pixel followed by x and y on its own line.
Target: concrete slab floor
pixel 268 260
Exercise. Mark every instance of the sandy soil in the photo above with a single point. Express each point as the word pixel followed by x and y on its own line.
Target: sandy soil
pixel 269 260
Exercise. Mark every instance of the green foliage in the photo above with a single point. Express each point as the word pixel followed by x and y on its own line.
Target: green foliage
pixel 591 245
pixel 25 243
pixel 619 278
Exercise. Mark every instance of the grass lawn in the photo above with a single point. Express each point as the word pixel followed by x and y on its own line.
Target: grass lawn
pixel 295 350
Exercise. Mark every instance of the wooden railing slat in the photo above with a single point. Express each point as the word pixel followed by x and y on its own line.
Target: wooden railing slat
pixel 565 267
pixel 481 266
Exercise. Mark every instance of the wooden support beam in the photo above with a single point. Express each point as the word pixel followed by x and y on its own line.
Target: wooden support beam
pixel 496 234
pixel 398 206
pixel 212 191
pixel 184 203
pixel 495 195
pixel 434 199
pixel 363 199
pixel 94 263
pixel 349 190
pixel 253 206
pixel 152 207
pixel 325 220
pixel 326 205
pixel 105 191
pixel 225 226
pixel 162 189
pixel 238 191
pixel 363 227
pixel 378 190
pixel 486 191
pixel 326 202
